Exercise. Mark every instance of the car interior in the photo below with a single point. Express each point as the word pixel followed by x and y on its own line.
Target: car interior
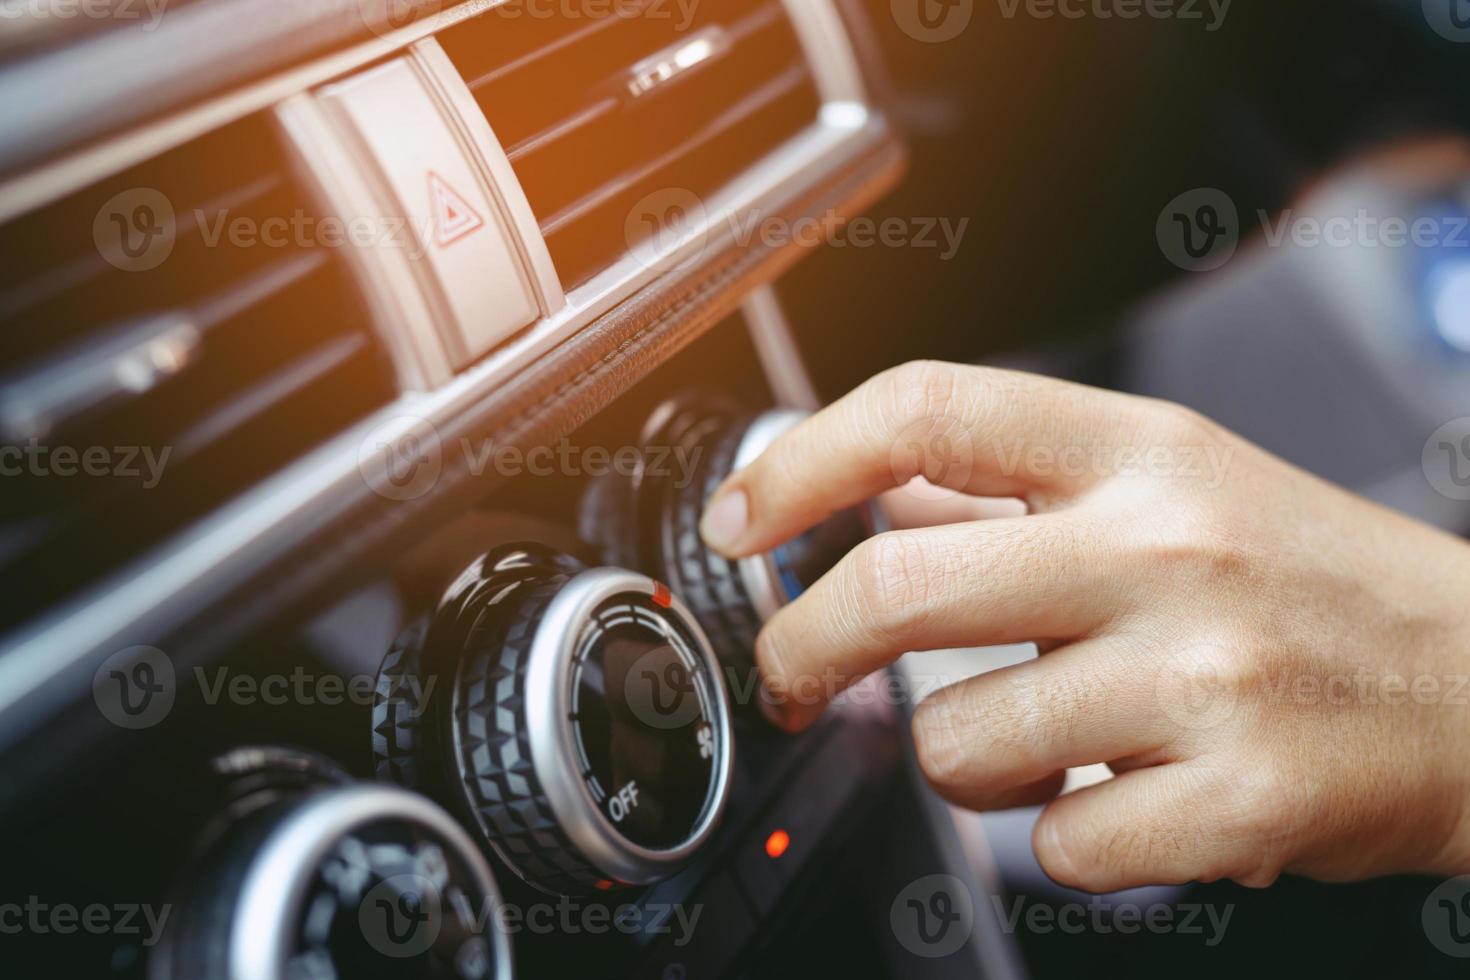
pixel 367 365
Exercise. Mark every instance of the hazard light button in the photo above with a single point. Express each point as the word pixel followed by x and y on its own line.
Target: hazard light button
pixel 436 205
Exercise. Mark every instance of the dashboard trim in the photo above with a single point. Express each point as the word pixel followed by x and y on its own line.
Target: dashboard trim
pixel 47 664
pixel 140 80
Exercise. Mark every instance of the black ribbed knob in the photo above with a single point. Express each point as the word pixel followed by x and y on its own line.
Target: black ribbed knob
pixel 585 729
pixel 731 599
pixel 305 874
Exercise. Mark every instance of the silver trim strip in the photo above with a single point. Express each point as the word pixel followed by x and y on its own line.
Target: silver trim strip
pixel 234 542
pixel 758 573
pixel 775 345
pixel 554 754
pixel 828 48
pixel 202 564
pixel 37 186
pixel 265 917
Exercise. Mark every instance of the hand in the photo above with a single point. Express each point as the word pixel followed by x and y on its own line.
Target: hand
pixel 1275 669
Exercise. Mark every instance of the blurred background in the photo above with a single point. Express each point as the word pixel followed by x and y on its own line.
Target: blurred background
pixel 1302 145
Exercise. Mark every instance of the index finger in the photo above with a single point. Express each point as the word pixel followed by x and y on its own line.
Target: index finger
pixel 966 429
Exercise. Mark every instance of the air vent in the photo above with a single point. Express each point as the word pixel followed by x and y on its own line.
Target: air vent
pixel 168 338
pixel 597 113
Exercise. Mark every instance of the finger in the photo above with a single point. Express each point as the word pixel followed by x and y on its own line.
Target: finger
pixel 1041 791
pixel 986 583
pixel 970 429
pixel 992 734
pixel 918 504
pixel 1150 827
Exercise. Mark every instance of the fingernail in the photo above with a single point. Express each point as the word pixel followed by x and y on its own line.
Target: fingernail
pixel 770 711
pixel 725 520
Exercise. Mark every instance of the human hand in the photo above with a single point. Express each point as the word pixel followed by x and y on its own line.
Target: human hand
pixel 1275 668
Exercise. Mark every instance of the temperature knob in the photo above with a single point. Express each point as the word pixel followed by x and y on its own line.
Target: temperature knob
pixel 586 732
pixel 662 504
pixel 304 874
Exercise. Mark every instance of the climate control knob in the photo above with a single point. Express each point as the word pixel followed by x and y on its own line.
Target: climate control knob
pixel 302 873
pixel 586 730
pixel 661 504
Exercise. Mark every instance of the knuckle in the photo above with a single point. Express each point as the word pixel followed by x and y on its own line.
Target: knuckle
pixel 923 390
pixel 1182 426
pixel 1248 822
pixel 893 579
pixel 1252 818
pixel 1055 704
pixel 1198 539
pixel 1030 717
pixel 1223 672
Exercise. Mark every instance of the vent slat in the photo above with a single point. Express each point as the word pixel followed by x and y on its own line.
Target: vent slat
pixel 258 288
pixel 626 106
pixel 268 393
pixel 79 271
pixel 762 98
pixel 185 382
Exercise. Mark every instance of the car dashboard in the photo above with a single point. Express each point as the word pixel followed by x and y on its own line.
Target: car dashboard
pixel 389 351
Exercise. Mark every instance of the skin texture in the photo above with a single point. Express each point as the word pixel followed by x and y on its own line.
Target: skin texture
pixel 1274 668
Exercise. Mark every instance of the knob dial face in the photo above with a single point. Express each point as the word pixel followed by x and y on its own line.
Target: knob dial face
pixel 347 881
pixel 589 730
pixel 644 721
pixel 387 901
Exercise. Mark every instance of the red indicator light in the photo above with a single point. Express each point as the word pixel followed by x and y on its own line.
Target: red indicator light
pixel 777 843
pixel 603 885
pixel 662 596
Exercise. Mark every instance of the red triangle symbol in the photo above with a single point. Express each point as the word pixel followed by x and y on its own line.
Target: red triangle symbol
pixel 453 216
